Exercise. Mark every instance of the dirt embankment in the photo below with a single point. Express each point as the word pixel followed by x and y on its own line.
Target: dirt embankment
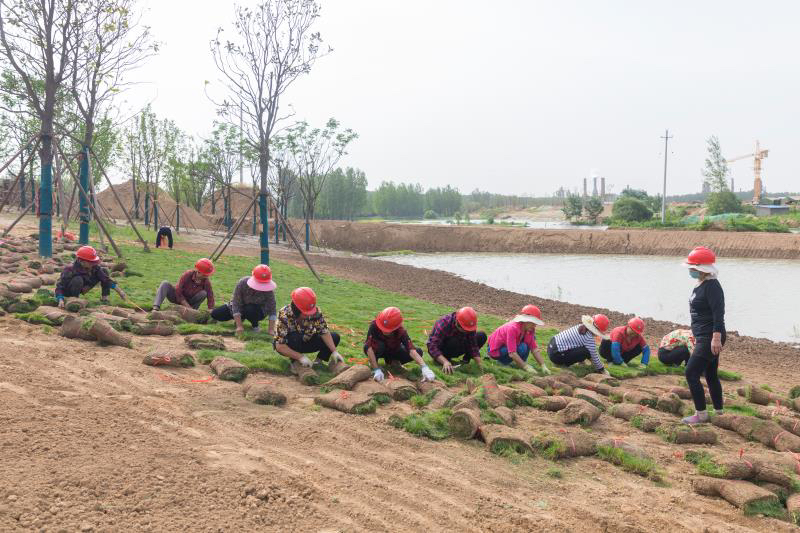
pixel 380 237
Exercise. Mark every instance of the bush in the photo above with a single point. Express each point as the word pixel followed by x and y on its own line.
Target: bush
pixel 430 213
pixel 723 202
pixel 631 210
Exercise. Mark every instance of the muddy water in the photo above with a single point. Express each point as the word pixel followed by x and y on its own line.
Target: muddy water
pixel 761 295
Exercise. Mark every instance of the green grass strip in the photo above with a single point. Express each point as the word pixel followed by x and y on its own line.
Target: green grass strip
pixel 630 463
pixel 432 425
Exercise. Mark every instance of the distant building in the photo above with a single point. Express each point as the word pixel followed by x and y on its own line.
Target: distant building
pixel 767 210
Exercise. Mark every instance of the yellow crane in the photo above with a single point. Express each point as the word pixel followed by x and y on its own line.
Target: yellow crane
pixel 757 156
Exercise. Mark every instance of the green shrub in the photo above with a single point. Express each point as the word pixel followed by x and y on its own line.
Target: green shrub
pixel 430 214
pixel 631 210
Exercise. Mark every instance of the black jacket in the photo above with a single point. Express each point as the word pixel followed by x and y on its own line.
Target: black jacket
pixel 707 307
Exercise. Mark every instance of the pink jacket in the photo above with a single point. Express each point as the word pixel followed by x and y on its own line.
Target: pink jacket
pixel 509 335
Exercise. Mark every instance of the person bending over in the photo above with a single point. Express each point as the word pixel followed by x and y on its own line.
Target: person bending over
pixel 514 340
pixel 626 342
pixel 253 300
pixel 302 329
pixel 78 278
pixel 676 347
pixel 455 336
pixel 387 339
pixel 193 287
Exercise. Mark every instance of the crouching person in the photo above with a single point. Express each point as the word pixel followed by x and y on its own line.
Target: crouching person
pixel 81 276
pixel 676 347
pixel 515 340
pixel 302 329
pixel 577 344
pixel 387 339
pixel 455 336
pixel 192 289
pixel 253 300
pixel 626 342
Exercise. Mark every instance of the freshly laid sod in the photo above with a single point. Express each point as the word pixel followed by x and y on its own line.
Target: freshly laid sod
pixel 432 424
pixel 706 466
pixel 630 463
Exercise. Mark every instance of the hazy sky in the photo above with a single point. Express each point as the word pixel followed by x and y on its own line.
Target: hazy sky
pixel 524 96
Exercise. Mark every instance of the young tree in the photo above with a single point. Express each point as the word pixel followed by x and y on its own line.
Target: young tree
pixel 223 158
pixel 716 168
pixel 158 138
pixel 36 38
pixel 593 208
pixel 315 152
pixel 274 45
pixel 573 206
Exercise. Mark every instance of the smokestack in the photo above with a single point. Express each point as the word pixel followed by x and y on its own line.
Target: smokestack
pixel 584 187
pixel 594 190
pixel 603 188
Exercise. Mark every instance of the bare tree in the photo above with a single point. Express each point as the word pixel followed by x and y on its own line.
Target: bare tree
pixel 223 149
pixel 36 37
pixel 315 152
pixel 273 46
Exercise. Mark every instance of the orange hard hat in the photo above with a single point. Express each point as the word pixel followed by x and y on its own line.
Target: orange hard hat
pixel 701 256
pixel 636 324
pixel 467 318
pixel 204 266
pixel 87 253
pixel 389 319
pixel 305 300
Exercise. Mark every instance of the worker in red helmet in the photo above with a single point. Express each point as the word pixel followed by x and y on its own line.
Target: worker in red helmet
pixel 302 329
pixel 707 310
pixel 626 342
pixel 387 339
pixel 578 343
pixel 456 336
pixel 515 340
pixel 253 300
pixel 79 277
pixel 194 286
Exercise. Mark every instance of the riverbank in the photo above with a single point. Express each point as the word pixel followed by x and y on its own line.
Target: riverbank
pixel 382 237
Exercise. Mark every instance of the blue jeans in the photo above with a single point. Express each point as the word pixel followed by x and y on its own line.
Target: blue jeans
pixel 522 352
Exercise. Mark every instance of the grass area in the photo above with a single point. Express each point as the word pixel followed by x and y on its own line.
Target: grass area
pixel 795 392
pixel 706 466
pixel 555 473
pixel 771 508
pixel 432 425
pixel 421 400
pixel 630 463
pixel 746 410
pixel 514 452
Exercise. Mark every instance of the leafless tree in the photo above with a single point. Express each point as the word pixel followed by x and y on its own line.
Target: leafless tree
pixel 273 45
pixel 36 38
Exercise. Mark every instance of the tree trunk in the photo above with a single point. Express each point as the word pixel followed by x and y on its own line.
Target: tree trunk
pixel 147 205
pixel 22 202
pixel 263 164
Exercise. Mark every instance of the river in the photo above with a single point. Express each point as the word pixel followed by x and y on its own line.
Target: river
pixel 761 296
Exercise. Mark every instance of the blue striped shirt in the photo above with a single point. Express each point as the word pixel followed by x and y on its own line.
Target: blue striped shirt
pixel 572 338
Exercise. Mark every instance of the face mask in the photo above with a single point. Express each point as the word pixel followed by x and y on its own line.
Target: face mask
pixel 694 274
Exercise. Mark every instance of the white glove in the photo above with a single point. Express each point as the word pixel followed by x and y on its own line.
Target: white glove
pixel 305 361
pixel 337 357
pixel 529 368
pixel 377 374
pixel 427 374
pixel 605 372
pixel 546 371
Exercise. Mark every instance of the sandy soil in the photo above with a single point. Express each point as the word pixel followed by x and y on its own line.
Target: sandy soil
pixel 92 440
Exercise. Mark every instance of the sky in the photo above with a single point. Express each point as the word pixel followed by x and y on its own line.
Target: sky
pixel 521 96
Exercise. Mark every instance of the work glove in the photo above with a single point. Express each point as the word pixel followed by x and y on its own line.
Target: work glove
pixel 606 372
pixel 336 357
pixel 61 304
pixel 529 369
pixel 427 374
pixel 377 374
pixel 546 371
pixel 305 361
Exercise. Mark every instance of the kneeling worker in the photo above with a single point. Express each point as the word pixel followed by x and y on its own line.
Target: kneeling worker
pixel 626 342
pixel 302 329
pixel 193 287
pixel 676 347
pixel 514 340
pixel 253 299
pixel 79 277
pixel 456 336
pixel 389 340
pixel 578 343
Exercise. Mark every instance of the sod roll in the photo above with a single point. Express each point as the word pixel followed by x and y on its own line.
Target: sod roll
pixel 264 394
pixel 670 403
pixel 464 423
pixel 441 399
pixel 579 412
pixel 204 342
pixel 592 397
pixel 168 357
pixel 347 379
pixel 154 327
pixel 401 389
pixel 373 389
pixel 497 436
pixel 683 434
pixel 493 394
pixel 228 369
pixel 306 375
pixel 506 415
pixel 347 402
pixel 564 444
pixel 738 493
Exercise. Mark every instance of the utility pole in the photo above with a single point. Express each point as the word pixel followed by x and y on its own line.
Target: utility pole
pixel 666 138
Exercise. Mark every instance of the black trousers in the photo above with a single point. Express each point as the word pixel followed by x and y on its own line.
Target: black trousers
pixel 252 312
pixel 605 352
pixel 315 344
pixel 456 347
pixel 76 287
pixel 567 357
pixel 389 356
pixel 704 362
pixel 164 231
pixel 674 357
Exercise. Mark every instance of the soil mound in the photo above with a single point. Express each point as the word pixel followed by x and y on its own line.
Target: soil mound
pixel 189 217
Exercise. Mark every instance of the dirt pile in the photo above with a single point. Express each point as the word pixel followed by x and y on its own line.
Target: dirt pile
pixel 380 237
pixel 189 217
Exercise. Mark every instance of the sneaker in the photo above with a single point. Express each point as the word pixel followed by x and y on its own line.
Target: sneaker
pixel 697 418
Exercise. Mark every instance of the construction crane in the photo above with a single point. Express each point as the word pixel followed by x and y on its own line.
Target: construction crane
pixel 757 156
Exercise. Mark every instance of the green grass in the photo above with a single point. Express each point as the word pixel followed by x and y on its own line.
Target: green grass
pixel 630 463
pixel 548 448
pixel 421 400
pixel 795 392
pixel 706 466
pixel 514 452
pixel 490 417
pixel 727 375
pixel 767 388
pixel 35 318
pixel 555 473
pixel 746 410
pixel 366 408
pixel 432 425
pixel 771 508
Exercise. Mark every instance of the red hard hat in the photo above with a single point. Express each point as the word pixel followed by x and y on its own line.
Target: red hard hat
pixel 601 322
pixel 305 300
pixel 701 256
pixel 204 266
pixel 467 318
pixel 531 310
pixel 389 319
pixel 636 324
pixel 87 253
pixel 262 273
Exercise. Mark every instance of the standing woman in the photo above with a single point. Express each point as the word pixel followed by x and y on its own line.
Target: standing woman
pixel 707 308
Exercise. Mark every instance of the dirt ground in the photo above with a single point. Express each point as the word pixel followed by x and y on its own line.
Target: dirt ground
pixel 92 440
